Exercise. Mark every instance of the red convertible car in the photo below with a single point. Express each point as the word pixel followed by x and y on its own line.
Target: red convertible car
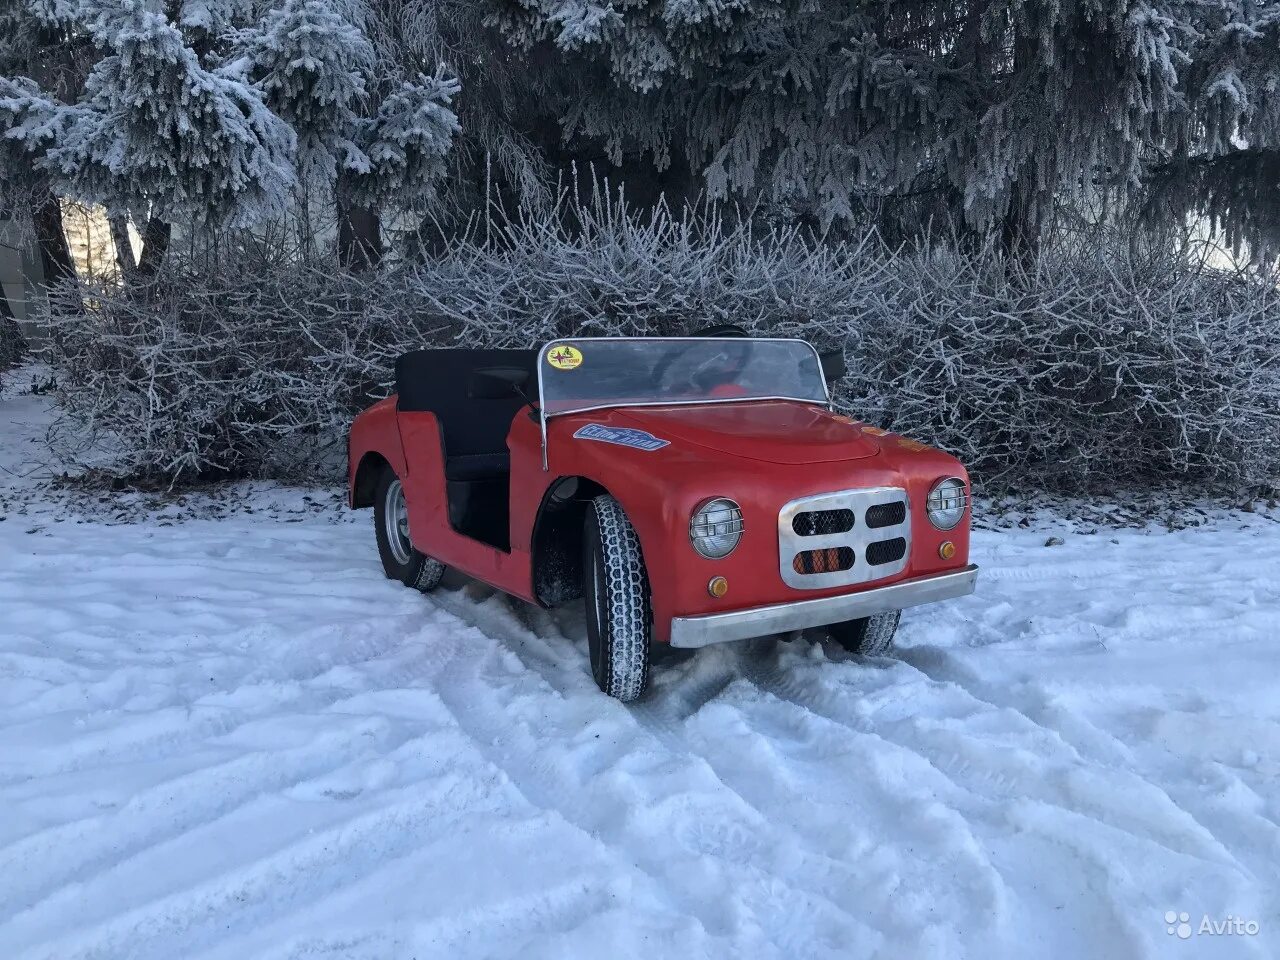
pixel 692 490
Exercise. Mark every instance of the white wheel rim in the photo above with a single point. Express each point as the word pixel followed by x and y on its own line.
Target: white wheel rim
pixel 396 523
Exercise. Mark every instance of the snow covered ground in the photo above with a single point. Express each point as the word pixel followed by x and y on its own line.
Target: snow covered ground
pixel 224 735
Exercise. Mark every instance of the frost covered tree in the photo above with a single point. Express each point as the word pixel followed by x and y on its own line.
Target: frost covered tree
pixel 155 133
pixel 213 112
pixel 996 115
pixel 34 43
pixel 1221 159
pixel 159 131
pixel 366 132
pixel 510 108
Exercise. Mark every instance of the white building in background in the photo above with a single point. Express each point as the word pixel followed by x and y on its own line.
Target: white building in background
pixel 20 271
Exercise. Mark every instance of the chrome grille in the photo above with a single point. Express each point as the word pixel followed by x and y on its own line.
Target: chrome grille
pixel 873 545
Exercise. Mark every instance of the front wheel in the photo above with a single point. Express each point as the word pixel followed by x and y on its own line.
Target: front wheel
pixel 400 561
pixel 868 636
pixel 617 598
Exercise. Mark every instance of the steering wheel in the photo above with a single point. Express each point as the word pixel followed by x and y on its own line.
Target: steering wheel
pixel 709 373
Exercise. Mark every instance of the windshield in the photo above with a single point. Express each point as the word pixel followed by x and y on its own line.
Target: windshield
pixel 586 374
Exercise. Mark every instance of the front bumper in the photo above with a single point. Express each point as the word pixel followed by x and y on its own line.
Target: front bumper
pixel 781 617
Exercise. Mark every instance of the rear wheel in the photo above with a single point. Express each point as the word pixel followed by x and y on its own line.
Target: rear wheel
pixel 400 561
pixel 616 589
pixel 868 636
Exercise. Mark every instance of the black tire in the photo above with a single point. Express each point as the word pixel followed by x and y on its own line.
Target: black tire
pixel 616 589
pixel 400 561
pixel 869 636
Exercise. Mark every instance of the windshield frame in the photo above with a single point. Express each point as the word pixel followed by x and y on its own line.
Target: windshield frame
pixel 543 416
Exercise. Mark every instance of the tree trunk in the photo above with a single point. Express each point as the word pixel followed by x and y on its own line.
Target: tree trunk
pixel 359 237
pixel 51 238
pixel 124 246
pixel 1017 238
pixel 1020 230
pixel 13 345
pixel 155 245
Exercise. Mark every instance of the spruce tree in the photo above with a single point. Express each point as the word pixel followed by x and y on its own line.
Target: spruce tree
pixel 996 116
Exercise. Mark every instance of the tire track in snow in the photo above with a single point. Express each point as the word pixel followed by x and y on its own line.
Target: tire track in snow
pixel 775 863
pixel 160 733
pixel 1099 748
pixel 302 870
pixel 80 850
pixel 1047 786
pixel 1001 762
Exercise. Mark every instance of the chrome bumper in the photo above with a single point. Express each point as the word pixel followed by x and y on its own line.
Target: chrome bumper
pixel 782 617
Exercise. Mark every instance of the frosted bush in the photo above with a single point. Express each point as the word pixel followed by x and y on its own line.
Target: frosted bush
pixel 1078 370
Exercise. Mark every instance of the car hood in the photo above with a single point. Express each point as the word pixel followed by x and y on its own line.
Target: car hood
pixel 774 431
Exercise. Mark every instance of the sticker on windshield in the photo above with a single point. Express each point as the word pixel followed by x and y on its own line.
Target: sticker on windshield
pixel 622 436
pixel 565 357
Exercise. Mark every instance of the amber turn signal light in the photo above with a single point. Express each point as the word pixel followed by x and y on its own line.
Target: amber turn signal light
pixel 718 587
pixel 947 550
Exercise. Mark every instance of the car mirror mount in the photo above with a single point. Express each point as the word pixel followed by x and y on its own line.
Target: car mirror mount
pixel 833 365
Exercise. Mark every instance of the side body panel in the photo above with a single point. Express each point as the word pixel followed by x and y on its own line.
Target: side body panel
pixel 660 489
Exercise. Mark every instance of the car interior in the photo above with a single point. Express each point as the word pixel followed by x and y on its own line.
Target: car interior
pixel 474 395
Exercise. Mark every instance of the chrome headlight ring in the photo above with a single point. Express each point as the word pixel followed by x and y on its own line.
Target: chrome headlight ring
pixel 715 528
pixel 947 503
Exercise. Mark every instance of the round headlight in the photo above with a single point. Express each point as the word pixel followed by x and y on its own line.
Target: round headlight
pixel 947 502
pixel 715 528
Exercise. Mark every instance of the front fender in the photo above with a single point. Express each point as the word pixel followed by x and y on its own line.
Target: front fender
pixel 659 491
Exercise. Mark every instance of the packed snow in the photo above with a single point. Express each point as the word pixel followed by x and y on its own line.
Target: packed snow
pixel 223 734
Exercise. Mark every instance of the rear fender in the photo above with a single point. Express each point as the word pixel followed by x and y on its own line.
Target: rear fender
pixel 374 440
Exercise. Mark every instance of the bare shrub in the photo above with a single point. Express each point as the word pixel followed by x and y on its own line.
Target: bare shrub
pixel 1074 371
pixel 1079 370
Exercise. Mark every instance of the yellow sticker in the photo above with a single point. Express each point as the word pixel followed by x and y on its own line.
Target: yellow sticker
pixel 913 445
pixel 874 431
pixel 565 357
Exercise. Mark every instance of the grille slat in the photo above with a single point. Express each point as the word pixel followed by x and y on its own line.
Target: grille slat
pixel 886 551
pixel 821 523
pixel 886 515
pixel 830 560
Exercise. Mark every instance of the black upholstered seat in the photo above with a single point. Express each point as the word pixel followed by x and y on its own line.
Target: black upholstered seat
pixel 477 466
pixel 474 430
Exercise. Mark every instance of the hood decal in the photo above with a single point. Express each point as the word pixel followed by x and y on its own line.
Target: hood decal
pixel 621 436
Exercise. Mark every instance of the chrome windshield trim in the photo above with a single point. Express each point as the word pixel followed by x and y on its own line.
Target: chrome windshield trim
pixel 702 631
pixel 684 403
pixel 543 416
